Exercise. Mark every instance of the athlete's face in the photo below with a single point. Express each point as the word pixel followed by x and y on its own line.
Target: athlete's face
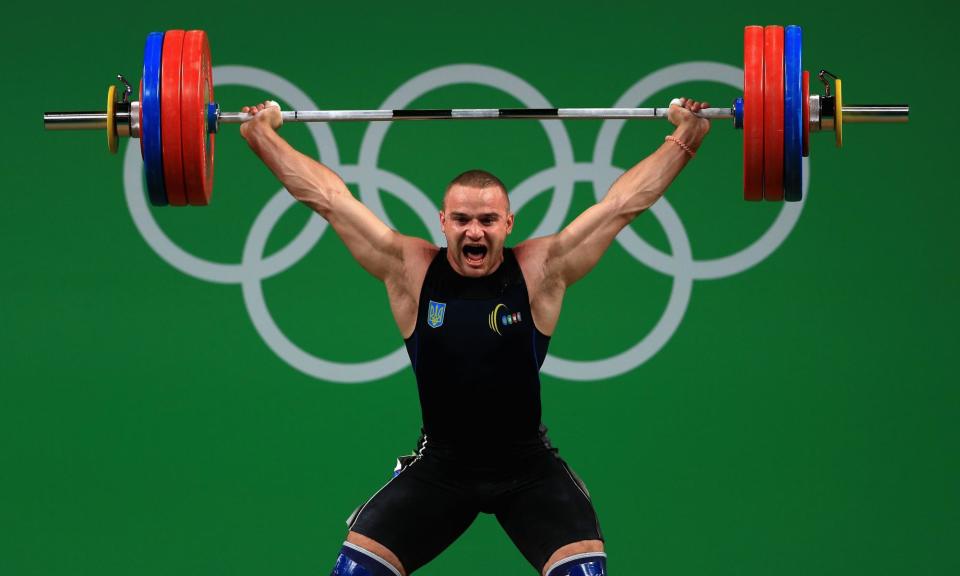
pixel 476 222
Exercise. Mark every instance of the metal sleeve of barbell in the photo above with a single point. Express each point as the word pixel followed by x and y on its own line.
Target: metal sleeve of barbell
pixel 75 120
pixel 875 113
pixel 95 120
pixel 473 114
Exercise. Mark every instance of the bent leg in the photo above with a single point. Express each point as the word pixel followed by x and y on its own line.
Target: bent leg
pixel 418 514
pixel 548 515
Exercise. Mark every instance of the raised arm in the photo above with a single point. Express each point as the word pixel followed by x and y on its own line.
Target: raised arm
pixel 576 249
pixel 378 248
pixel 552 263
pixel 399 261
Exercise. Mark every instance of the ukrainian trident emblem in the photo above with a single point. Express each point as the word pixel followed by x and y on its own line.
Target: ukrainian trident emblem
pixel 435 314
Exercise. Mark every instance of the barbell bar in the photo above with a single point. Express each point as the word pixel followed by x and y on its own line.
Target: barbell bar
pixel 97 120
pixel 177 118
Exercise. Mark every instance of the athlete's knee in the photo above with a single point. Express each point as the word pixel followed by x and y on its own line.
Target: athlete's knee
pixel 585 564
pixel 356 560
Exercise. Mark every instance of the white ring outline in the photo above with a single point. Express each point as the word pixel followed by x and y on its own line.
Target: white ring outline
pixel 628 238
pixel 484 76
pixel 224 273
pixel 561 177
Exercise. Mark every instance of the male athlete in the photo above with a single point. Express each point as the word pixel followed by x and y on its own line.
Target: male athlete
pixel 476 318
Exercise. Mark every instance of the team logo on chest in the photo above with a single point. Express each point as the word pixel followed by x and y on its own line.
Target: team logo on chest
pixel 501 317
pixel 435 313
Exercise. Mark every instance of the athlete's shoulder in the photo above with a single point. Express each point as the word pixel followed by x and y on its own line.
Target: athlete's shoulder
pixel 532 256
pixel 417 251
pixel 530 249
pixel 417 255
pixel 535 251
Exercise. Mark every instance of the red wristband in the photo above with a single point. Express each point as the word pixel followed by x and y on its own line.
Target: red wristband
pixel 677 141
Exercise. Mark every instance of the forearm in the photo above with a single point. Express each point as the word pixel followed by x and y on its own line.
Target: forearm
pixel 371 242
pixel 305 178
pixel 640 187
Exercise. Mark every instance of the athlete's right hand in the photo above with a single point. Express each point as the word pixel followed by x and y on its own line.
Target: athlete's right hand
pixel 691 129
pixel 683 111
pixel 265 114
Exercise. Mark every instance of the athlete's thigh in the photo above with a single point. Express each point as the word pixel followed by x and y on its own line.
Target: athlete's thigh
pixel 418 514
pixel 550 507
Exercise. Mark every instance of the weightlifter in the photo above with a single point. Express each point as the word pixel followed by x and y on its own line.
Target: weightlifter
pixel 476 318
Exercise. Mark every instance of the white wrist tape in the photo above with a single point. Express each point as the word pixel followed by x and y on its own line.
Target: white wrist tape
pixel 275 104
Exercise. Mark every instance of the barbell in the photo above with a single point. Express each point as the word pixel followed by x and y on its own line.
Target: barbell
pixel 176 117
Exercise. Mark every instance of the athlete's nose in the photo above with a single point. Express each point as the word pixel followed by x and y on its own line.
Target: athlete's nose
pixel 474 232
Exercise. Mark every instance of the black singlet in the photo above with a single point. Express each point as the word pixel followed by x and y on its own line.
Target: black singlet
pixel 477 355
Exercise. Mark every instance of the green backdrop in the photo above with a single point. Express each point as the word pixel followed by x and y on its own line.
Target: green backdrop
pixel 800 417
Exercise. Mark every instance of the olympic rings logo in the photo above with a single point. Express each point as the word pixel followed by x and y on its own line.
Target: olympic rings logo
pixel 254 267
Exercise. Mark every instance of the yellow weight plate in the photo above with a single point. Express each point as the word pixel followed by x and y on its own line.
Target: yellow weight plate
pixel 838 113
pixel 112 119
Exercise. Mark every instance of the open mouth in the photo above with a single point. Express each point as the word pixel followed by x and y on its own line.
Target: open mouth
pixel 474 253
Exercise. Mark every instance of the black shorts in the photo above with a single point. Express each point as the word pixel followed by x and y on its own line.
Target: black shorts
pixel 540 502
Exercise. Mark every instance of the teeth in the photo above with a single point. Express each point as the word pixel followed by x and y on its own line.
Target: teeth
pixel 474 252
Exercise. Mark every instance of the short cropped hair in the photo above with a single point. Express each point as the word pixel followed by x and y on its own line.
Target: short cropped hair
pixel 477 179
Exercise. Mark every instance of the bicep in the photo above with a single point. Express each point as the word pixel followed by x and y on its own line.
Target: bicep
pixel 378 248
pixel 577 248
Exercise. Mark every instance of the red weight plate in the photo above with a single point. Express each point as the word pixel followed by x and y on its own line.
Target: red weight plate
pixel 753 113
pixel 806 113
pixel 196 91
pixel 211 138
pixel 170 74
pixel 773 100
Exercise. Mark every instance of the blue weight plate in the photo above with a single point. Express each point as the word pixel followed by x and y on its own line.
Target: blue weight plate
pixel 150 125
pixel 738 113
pixel 793 115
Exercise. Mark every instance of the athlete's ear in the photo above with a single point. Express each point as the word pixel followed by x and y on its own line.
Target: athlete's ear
pixel 443 222
pixel 509 222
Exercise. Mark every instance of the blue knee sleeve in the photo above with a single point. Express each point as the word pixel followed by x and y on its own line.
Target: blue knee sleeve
pixel 586 564
pixel 356 561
